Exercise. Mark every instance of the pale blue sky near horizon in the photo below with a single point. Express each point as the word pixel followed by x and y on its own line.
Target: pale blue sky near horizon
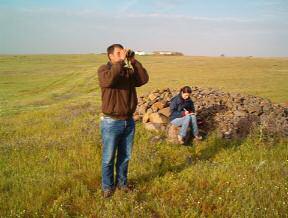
pixel 195 27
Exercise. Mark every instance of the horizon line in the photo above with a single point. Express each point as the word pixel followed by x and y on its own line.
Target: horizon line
pixel 186 55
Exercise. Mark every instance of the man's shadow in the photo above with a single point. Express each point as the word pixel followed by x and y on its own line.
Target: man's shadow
pixel 161 169
pixel 243 127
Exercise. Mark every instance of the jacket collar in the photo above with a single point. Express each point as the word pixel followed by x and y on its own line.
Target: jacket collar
pixel 109 64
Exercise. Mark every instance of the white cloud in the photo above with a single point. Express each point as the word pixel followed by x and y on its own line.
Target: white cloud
pixel 95 13
pixel 188 17
pixel 85 30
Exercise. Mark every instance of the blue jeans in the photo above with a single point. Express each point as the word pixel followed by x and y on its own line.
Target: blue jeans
pixel 117 135
pixel 185 122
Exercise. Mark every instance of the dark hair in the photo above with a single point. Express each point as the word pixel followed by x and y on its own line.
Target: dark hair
pixel 186 89
pixel 111 48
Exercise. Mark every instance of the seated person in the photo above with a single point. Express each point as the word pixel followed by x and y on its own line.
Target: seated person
pixel 183 114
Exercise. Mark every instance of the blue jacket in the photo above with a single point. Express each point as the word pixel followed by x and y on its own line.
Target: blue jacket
pixel 177 106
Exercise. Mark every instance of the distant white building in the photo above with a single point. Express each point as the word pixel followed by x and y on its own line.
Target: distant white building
pixel 174 53
pixel 165 52
pixel 140 53
pixel 158 53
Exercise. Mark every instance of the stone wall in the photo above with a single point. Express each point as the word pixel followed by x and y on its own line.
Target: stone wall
pixel 231 115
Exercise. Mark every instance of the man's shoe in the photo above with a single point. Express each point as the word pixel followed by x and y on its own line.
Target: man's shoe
pixel 107 193
pixel 125 188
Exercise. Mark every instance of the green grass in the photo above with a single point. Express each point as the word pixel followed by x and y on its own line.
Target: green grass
pixel 29 82
pixel 50 146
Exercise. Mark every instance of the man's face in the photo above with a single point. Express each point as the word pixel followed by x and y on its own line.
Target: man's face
pixel 116 55
pixel 186 95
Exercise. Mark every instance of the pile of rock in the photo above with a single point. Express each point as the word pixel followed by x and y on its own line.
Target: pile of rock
pixel 232 115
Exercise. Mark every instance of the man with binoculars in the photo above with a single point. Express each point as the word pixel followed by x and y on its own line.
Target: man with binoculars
pixel 119 101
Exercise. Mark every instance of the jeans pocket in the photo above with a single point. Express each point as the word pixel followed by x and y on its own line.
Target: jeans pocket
pixel 109 120
pixel 111 125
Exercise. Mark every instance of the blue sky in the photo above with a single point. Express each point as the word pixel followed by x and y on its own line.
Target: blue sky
pixel 195 27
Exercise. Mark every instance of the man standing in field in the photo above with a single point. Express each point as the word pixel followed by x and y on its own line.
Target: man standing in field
pixel 119 100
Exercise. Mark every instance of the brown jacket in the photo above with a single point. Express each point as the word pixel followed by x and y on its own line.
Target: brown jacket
pixel 117 82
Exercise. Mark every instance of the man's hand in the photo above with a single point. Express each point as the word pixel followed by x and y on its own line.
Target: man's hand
pixel 132 60
pixel 123 53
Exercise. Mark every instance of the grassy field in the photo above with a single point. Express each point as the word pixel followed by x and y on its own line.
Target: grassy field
pixel 50 147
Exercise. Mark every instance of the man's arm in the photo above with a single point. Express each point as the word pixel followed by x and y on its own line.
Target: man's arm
pixel 140 74
pixel 109 77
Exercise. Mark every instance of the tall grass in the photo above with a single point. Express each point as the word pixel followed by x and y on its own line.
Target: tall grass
pixel 50 157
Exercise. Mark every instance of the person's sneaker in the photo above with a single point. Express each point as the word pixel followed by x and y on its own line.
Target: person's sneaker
pixel 107 193
pixel 180 139
pixel 198 138
pixel 125 188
